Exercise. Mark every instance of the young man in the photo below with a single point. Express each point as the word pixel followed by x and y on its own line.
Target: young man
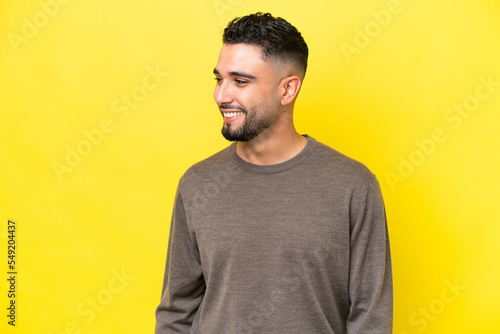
pixel 277 233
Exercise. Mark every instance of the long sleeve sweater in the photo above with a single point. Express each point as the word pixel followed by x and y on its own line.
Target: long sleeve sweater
pixel 297 247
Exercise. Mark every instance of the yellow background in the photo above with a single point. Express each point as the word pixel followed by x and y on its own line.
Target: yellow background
pixel 386 102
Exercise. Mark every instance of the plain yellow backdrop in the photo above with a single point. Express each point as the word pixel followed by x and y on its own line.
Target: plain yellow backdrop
pixel 104 104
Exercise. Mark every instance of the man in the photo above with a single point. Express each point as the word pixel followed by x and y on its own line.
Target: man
pixel 277 233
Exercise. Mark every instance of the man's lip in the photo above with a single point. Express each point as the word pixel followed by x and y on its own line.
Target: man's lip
pixel 234 118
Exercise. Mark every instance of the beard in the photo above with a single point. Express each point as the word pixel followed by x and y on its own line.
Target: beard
pixel 256 121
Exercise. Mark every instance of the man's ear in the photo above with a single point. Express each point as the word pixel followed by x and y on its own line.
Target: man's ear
pixel 289 87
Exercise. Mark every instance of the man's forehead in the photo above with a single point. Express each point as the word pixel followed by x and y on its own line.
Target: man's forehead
pixel 245 58
pixel 241 51
pixel 241 57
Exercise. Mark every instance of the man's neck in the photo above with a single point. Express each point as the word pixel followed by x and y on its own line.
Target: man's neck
pixel 271 148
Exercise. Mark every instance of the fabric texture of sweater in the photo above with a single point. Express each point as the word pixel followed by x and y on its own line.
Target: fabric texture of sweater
pixel 297 247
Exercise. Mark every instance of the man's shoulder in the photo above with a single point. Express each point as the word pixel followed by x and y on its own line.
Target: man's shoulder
pixel 218 163
pixel 341 166
pixel 213 161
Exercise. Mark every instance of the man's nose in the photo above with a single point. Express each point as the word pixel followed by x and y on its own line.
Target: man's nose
pixel 222 93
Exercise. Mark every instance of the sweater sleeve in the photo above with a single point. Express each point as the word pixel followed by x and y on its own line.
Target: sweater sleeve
pixel 370 272
pixel 183 285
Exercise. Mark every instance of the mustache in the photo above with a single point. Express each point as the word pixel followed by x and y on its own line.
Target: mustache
pixel 228 106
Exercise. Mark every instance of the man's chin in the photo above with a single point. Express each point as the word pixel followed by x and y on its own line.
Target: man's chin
pixel 234 135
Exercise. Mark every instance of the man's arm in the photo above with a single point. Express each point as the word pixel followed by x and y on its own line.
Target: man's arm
pixel 183 285
pixel 370 281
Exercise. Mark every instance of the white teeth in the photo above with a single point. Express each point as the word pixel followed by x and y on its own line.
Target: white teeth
pixel 232 114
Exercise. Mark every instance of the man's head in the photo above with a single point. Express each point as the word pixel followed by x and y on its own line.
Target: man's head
pixel 278 40
pixel 260 69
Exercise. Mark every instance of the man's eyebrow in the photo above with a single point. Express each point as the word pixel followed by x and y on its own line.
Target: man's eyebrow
pixel 238 74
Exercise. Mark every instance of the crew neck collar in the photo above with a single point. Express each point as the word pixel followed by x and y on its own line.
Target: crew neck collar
pixel 265 169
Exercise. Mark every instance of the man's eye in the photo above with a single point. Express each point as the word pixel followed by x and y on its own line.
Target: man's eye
pixel 218 80
pixel 240 82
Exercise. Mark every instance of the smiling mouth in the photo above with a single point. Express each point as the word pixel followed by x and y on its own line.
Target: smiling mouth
pixel 232 114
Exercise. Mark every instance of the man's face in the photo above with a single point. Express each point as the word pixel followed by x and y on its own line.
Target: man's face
pixel 246 92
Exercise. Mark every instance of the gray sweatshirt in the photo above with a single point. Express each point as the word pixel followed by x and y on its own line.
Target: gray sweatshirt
pixel 297 247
